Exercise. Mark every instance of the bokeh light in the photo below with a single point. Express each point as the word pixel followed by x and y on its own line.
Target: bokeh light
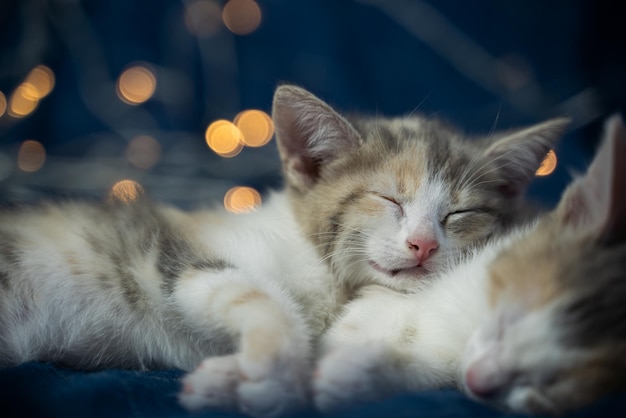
pixel 241 199
pixel 548 165
pixel 23 101
pixel 241 17
pixel 40 82
pixel 203 18
pixel 224 138
pixel 31 156
pixel 256 127
pixel 136 84
pixel 125 191
pixel 143 152
pixel 3 103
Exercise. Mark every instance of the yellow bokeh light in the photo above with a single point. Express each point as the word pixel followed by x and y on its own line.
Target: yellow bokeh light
pixel 40 82
pixel 3 103
pixel 256 127
pixel 125 191
pixel 203 18
pixel 23 101
pixel 241 199
pixel 136 85
pixel 547 165
pixel 31 156
pixel 224 138
pixel 143 152
pixel 241 17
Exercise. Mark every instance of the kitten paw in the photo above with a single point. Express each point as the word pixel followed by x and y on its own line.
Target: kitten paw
pixel 212 384
pixel 229 382
pixel 346 376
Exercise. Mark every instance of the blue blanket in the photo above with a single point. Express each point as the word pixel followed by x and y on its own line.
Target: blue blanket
pixel 43 390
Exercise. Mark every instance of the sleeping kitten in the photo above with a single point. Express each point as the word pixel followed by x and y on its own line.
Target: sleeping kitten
pixel 534 322
pixel 143 286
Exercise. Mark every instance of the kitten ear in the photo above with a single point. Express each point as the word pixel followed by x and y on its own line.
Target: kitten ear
pixel 597 199
pixel 309 133
pixel 519 154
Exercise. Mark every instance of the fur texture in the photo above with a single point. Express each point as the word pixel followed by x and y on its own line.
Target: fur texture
pixel 246 297
pixel 533 322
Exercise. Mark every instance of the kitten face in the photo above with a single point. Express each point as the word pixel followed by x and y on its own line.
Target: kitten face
pixel 555 338
pixel 391 201
pixel 402 205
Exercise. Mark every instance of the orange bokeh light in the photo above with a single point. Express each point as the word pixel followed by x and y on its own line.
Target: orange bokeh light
pixel 23 101
pixel 548 165
pixel 256 127
pixel 224 138
pixel 136 84
pixel 40 82
pixel 31 156
pixel 3 103
pixel 125 191
pixel 241 17
pixel 241 199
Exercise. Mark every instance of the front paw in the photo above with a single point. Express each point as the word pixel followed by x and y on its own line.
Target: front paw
pixel 346 376
pixel 260 390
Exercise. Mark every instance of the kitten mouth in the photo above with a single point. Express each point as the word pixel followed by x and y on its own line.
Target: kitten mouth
pixel 418 270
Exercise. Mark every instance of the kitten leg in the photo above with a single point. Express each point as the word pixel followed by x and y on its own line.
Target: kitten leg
pixel 269 374
pixel 373 370
pixel 353 374
pixel 374 352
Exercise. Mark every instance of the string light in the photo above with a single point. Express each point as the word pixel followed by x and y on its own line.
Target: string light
pixel 548 165
pixel 23 101
pixel 125 191
pixel 224 138
pixel 241 17
pixel 31 156
pixel 136 85
pixel 256 127
pixel 203 18
pixel 40 82
pixel 143 152
pixel 241 199
pixel 3 104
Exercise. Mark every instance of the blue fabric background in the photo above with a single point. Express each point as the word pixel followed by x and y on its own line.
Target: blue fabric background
pixel 42 390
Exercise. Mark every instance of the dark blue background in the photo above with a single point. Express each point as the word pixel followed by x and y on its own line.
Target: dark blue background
pixel 368 56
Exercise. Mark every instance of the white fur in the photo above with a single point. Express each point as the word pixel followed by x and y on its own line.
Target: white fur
pixel 401 342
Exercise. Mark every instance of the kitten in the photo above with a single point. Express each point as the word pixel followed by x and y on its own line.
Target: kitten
pixel 141 285
pixel 534 322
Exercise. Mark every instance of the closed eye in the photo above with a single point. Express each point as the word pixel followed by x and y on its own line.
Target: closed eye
pixel 391 200
pixel 458 214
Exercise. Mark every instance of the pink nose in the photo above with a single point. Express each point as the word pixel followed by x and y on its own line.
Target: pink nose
pixel 486 383
pixel 422 248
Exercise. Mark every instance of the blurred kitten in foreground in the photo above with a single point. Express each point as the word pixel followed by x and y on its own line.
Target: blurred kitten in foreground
pixel 534 322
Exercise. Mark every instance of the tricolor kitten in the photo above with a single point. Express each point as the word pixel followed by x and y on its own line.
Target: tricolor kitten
pixel 141 285
pixel 534 322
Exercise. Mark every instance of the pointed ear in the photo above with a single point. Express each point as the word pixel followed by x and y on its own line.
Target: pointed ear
pixel 310 134
pixel 518 155
pixel 597 199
